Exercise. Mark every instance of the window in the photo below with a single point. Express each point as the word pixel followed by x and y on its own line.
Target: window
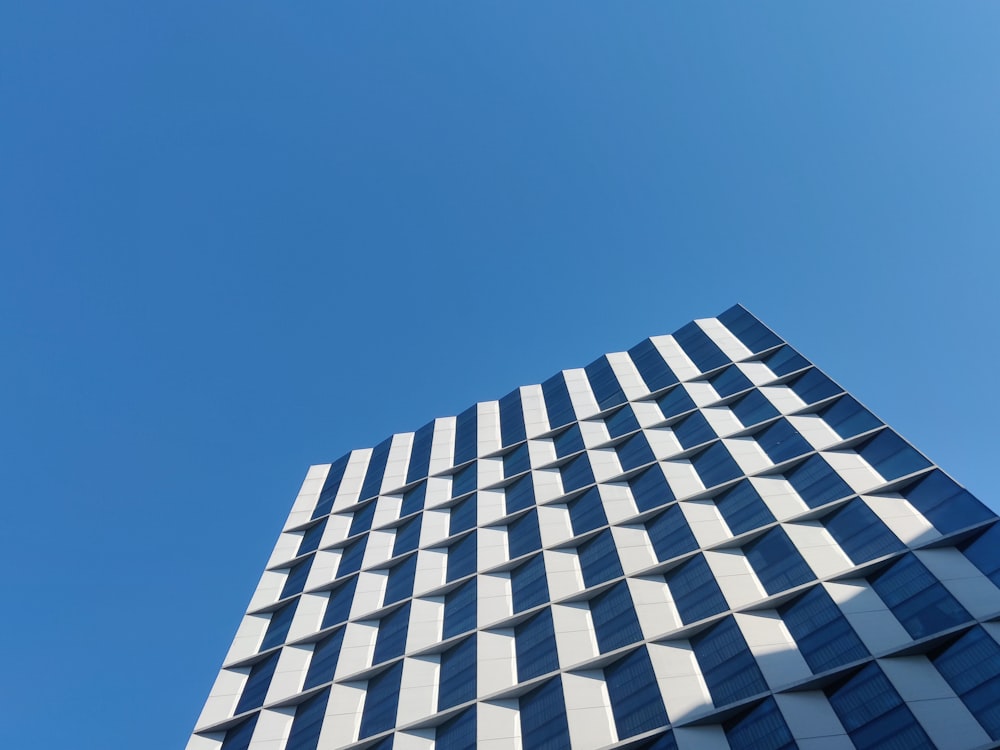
pixel 350 560
pixel 311 538
pixel 812 386
pixel 296 578
pixel 753 408
pixel 338 608
pixel 392 629
pixel 586 512
pixel 891 456
pixel 944 503
pixel 413 499
pixel 781 442
pixel 715 466
pixel 825 638
pixel 258 681
pixel 529 585
pixel 694 430
pixel 568 441
pixel 652 368
pixel 761 728
pixel 462 516
pixel 728 666
pixel 604 384
pixel 861 533
pixel 543 717
pixel 599 559
pixel 420 453
pixel 742 508
pixel 460 609
pixel 634 452
pixel 523 536
pixel 277 629
pixel 785 361
pixel 407 536
pixel 466 435
pixel 918 600
pixel 458 674
pixel 331 486
pixel 621 422
pixel 650 489
pixel 777 562
pixel 462 557
pixel 381 701
pixel 615 623
pixel 670 534
pixel 376 470
pixel 464 481
pixel 325 655
pixel 458 733
pixel 557 401
pixel 511 419
pixel 361 521
pixel 400 584
pixel 535 643
pixel 816 483
pixel 308 721
pixel 576 473
pixel 517 461
pixel 730 381
pixel 981 552
pixel 700 349
pixel 635 695
pixel 971 665
pixel 848 418
pixel 238 737
pixel 675 401
pixel 754 335
pixel 520 494
pixel 695 592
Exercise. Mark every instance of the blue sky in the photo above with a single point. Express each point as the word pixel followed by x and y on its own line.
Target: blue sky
pixel 237 239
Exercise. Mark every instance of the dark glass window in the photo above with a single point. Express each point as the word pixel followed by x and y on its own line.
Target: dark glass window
pixel 523 536
pixel 420 453
pixel 694 430
pixel 325 655
pixel 874 715
pixel 944 503
pixel 413 499
pixel 407 536
pixel 464 481
pixel 599 559
pixel 675 401
pixel 296 579
pixel 981 551
pixel 825 639
pixel 695 591
pixel 730 381
pixel 604 384
pixel 670 534
pixel 812 386
pixel 621 422
pixel 650 489
pixel 728 666
pixel 971 665
pixel 777 562
pixel 381 701
pixel 460 609
pixel 466 435
pixel 743 508
pixel 458 733
pixel 586 512
pixel 458 674
pixel 917 599
pixel 848 418
pixel 361 521
pixel 780 441
pixel 350 560
pixel 239 736
pixel 635 695
pixel 529 585
pixel 311 538
pixel 392 631
pixel 511 419
pixel 568 441
pixel 753 408
pixel 816 483
pixel 400 584
pixel 516 461
pixel 557 401
pixel 760 728
pixel 715 466
pixel 535 642
pixel 309 716
pixel 891 456
pixel 785 361
pixel 519 494
pixel 755 335
pixel 259 680
pixel 338 608
pixel 634 452
pixel 543 717
pixel 664 741
pixel 861 533
pixel 651 366
pixel 376 470
pixel 462 557
pixel 576 473
pixel 700 349
pixel 463 516
pixel 277 628
pixel 331 486
pixel 615 623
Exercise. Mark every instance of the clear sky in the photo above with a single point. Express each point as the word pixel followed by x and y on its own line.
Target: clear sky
pixel 239 238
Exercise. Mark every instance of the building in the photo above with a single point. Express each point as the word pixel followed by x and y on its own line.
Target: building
pixel 700 543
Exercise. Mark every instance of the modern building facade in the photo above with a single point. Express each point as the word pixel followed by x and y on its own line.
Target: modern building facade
pixel 700 543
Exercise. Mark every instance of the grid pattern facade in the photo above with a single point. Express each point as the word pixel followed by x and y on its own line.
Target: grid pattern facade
pixel 703 542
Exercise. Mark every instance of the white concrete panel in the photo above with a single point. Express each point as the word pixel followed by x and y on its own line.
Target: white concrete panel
pixel 336 530
pixel 541 452
pixel 211 741
pixel 617 501
pixel 682 478
pixel 554 524
pixel 653 606
pixel 397 462
pixel 779 496
pixel 854 470
pixel 285 548
pixel 432 566
pixel 675 357
pixel 584 403
pixel 289 673
pixel 705 521
pixel 498 726
pixel 735 577
pixel 575 638
pixel 494 601
pixel 438 491
pixel 418 689
pixel 368 593
pixel 662 440
pixel 488 427
pixel 536 420
pixel 588 710
pixel 628 376
pixel 634 548
pixel 809 715
pixel 354 477
pixel 973 590
pixel 731 346
pixel 417 739
pixel 489 472
pixel 343 715
pixel 647 413
pixel 757 372
pixel 426 621
pixel 434 527
pixel 308 615
pixel 497 661
pixel 594 432
pixel 379 548
pixel 442 445
pixel 748 454
pixel 874 623
pixel 358 648
pixel 547 484
pixel 604 464
pixel 273 727
pixel 816 432
pixel 225 694
pixel 701 392
pixel 722 420
pixel 679 678
pixel 386 510
pixel 248 637
pixel 305 501
pixel 783 398
pixel 490 506
pixel 820 551
pixel 773 647
pixel 563 574
pixel 903 519
pixel 491 544
pixel 710 737
pixel 268 589
pixel 324 568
